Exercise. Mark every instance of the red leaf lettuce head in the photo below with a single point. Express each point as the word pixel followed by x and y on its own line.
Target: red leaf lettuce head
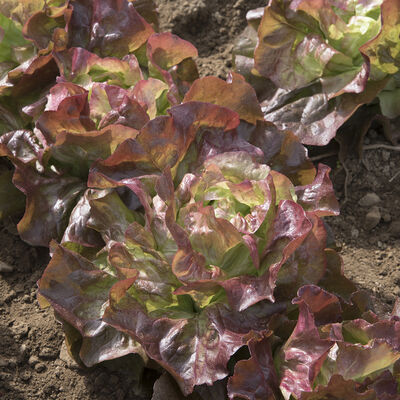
pixel 195 227
pixel 322 58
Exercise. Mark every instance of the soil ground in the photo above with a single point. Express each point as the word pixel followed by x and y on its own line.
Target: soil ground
pixel 33 364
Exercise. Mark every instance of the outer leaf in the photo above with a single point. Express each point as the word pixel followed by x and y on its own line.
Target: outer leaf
pixel 108 28
pixel 49 201
pixel 384 50
pixel 166 50
pixel 282 151
pixel 339 388
pixel 78 291
pixel 302 356
pixel 170 58
pixel 42 25
pixel 255 378
pixel 213 335
pixel 319 196
pixel 313 118
pixel 235 94
pixel 307 264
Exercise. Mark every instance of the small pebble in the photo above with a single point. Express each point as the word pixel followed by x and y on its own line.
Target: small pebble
pixel 12 362
pixel 40 367
pixel 48 353
pixel 372 218
pixel 354 233
pixel 33 360
pixel 25 376
pixel 23 351
pixel 369 200
pixel 26 299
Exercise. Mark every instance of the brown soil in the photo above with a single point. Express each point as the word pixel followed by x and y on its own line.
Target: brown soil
pixel 33 364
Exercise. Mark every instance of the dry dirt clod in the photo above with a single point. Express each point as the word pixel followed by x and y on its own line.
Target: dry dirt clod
pixel 369 200
pixel 33 360
pixel 48 353
pixel 40 367
pixel 372 218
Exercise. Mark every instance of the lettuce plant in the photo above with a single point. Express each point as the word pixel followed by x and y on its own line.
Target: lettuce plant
pixel 97 103
pixel 203 242
pixel 325 356
pixel 320 61
pixel 183 226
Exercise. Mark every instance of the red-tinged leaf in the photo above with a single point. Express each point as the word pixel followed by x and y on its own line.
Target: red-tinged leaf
pixel 385 386
pixel 307 265
pixel 302 356
pixel 324 306
pixel 60 92
pixel 166 50
pixel 210 236
pixel 108 344
pixel 114 105
pixel 148 10
pixel 255 378
pixel 146 92
pixel 21 146
pixel 213 335
pixel 313 118
pixel 289 229
pixel 77 230
pixel 283 152
pixel 83 67
pixel 319 197
pixel 354 361
pixel 170 58
pixel 339 388
pixel 164 141
pixel 236 95
pixel 49 200
pixel 20 11
pixel 78 291
pixel 96 144
pixel 110 216
pixel 245 291
pixel 361 331
pixel 72 116
pixel 107 27
pixel 40 26
pixel 31 77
